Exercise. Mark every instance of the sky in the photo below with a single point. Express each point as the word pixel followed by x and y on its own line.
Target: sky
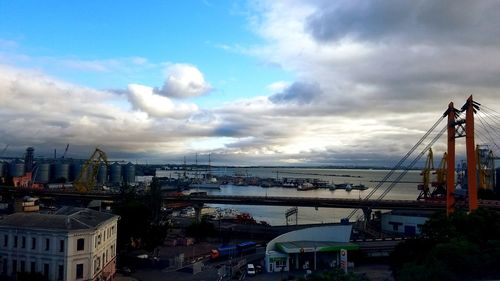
pixel 293 82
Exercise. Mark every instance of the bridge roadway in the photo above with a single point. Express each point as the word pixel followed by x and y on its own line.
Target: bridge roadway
pixel 254 200
pixel 320 202
pixel 308 202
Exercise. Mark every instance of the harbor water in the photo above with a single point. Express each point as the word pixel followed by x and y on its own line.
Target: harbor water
pixel 406 189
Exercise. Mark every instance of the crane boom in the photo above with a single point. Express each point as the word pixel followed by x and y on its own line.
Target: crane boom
pixel 87 178
pixel 65 151
pixel 4 149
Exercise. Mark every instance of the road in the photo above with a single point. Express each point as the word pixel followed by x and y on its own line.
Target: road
pixel 209 272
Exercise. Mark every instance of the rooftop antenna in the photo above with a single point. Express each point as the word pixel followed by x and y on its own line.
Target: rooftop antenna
pixel 196 165
pixel 208 169
pixel 184 167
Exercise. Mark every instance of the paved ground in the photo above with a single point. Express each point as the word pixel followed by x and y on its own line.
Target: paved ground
pixel 119 277
pixel 375 272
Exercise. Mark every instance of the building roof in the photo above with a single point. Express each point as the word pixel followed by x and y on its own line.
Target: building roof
pixel 314 246
pixel 331 233
pixel 66 218
pixel 411 213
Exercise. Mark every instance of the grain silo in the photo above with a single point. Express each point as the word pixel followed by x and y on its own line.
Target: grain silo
pixel 75 170
pixel 42 172
pixel 61 171
pixel 129 173
pixel 102 174
pixel 115 174
pixel 16 168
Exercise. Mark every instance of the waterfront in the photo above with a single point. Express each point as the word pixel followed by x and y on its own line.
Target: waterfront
pixel 275 215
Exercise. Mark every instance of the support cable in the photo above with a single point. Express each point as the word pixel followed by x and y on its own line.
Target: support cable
pixel 417 158
pixel 491 139
pixel 496 129
pixel 398 165
pixel 490 115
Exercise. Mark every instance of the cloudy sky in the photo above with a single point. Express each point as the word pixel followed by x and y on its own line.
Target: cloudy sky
pixel 252 82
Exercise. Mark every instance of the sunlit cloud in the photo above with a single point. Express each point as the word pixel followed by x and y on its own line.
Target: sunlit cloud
pixel 183 81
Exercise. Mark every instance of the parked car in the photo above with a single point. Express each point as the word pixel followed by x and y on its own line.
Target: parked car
pixel 250 270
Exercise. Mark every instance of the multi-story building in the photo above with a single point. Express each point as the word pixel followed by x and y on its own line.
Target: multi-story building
pixel 71 244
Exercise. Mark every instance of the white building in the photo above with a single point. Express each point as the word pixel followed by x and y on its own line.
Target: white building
pixel 405 222
pixel 72 244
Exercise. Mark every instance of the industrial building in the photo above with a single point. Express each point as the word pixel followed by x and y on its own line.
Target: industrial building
pixel 71 244
pixel 404 222
pixel 32 172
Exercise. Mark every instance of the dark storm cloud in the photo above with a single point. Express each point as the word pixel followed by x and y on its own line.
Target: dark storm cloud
pixel 298 93
pixel 466 22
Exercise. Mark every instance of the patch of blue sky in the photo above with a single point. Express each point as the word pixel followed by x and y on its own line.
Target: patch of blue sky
pixel 95 43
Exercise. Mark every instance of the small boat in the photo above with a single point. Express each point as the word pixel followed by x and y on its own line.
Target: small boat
pixel 289 185
pixel 360 187
pixel 208 184
pixel 306 186
pixel 341 186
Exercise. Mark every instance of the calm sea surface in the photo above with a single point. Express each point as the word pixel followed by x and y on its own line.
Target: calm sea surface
pixel 275 215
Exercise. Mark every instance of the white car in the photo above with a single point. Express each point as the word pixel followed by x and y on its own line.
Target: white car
pixel 250 269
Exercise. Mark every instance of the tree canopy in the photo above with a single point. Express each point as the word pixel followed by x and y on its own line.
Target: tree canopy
pixel 459 247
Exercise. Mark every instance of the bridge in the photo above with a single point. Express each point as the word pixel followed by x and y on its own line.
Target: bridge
pixel 321 202
pixel 198 199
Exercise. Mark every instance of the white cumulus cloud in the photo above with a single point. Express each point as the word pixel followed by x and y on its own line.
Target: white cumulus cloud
pixel 183 81
pixel 145 99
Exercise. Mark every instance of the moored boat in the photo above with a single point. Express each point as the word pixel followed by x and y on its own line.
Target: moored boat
pixel 306 186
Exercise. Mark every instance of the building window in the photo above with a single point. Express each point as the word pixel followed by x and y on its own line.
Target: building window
pixel 395 225
pixel 97 264
pixel 23 266
pixel 33 267
pixel 112 250
pixel 23 242
pixel 5 240
pixel 33 243
pixel 419 228
pixel 14 266
pixel 79 271
pixel 47 244
pixel 60 272
pixel 15 241
pixel 46 270
pixel 4 266
pixel 61 246
pixel 80 244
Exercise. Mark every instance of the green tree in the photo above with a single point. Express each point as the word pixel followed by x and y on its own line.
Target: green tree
pixel 459 247
pixel 139 218
pixel 201 230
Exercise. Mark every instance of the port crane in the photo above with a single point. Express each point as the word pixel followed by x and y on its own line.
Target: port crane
pixel 426 176
pixel 65 151
pixel 4 149
pixel 87 178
